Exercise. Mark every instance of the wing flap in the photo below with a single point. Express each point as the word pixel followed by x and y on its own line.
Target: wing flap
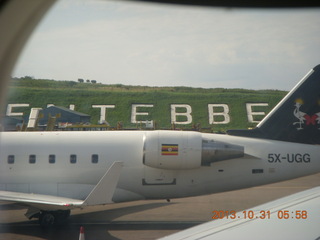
pixel 101 194
pixel 40 201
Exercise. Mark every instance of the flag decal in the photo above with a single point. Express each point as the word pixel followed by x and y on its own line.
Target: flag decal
pixel 170 149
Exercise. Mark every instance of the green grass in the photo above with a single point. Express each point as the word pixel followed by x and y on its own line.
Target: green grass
pixel 39 93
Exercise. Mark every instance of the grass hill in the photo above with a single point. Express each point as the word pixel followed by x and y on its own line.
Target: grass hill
pixel 39 93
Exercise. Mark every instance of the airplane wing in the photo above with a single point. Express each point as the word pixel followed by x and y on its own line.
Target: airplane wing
pixel 101 194
pixel 293 217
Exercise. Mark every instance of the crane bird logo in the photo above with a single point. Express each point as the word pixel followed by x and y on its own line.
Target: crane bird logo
pixel 303 118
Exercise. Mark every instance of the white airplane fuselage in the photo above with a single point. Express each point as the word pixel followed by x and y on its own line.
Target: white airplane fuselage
pixel 70 164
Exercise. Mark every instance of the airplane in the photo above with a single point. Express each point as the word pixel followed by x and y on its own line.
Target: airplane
pixel 54 172
pixel 292 217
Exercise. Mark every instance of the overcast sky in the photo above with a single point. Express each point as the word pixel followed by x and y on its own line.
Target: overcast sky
pixel 159 45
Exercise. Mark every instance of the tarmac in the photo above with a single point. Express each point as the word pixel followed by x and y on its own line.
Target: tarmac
pixel 145 220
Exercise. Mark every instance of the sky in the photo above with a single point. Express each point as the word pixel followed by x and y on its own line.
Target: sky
pixel 119 42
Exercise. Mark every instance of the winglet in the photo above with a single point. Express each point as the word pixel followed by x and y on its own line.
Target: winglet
pixel 104 190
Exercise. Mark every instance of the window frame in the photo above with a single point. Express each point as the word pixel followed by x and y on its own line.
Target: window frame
pixel 73 158
pixel 11 159
pixel 52 158
pixel 32 158
pixel 94 158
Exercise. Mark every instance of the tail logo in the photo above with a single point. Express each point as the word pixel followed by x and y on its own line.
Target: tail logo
pixel 303 118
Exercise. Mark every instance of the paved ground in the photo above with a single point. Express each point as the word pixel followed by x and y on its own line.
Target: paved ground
pixel 146 219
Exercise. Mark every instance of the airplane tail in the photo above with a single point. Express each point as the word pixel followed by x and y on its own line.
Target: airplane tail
pixel 296 118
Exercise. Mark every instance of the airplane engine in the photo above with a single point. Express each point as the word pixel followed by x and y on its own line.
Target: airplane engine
pixel 214 151
pixel 185 150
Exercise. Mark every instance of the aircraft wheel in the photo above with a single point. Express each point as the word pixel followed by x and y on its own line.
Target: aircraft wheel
pixel 46 219
pixel 61 216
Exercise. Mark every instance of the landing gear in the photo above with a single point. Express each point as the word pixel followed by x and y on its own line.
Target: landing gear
pixel 46 219
pixel 50 218
pixel 61 216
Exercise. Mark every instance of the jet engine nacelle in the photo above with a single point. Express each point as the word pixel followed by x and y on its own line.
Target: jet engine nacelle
pixel 185 150
pixel 172 149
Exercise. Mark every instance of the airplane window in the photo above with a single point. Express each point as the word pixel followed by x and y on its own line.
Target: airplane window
pixel 11 159
pixel 94 158
pixel 73 158
pixel 32 158
pixel 52 158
